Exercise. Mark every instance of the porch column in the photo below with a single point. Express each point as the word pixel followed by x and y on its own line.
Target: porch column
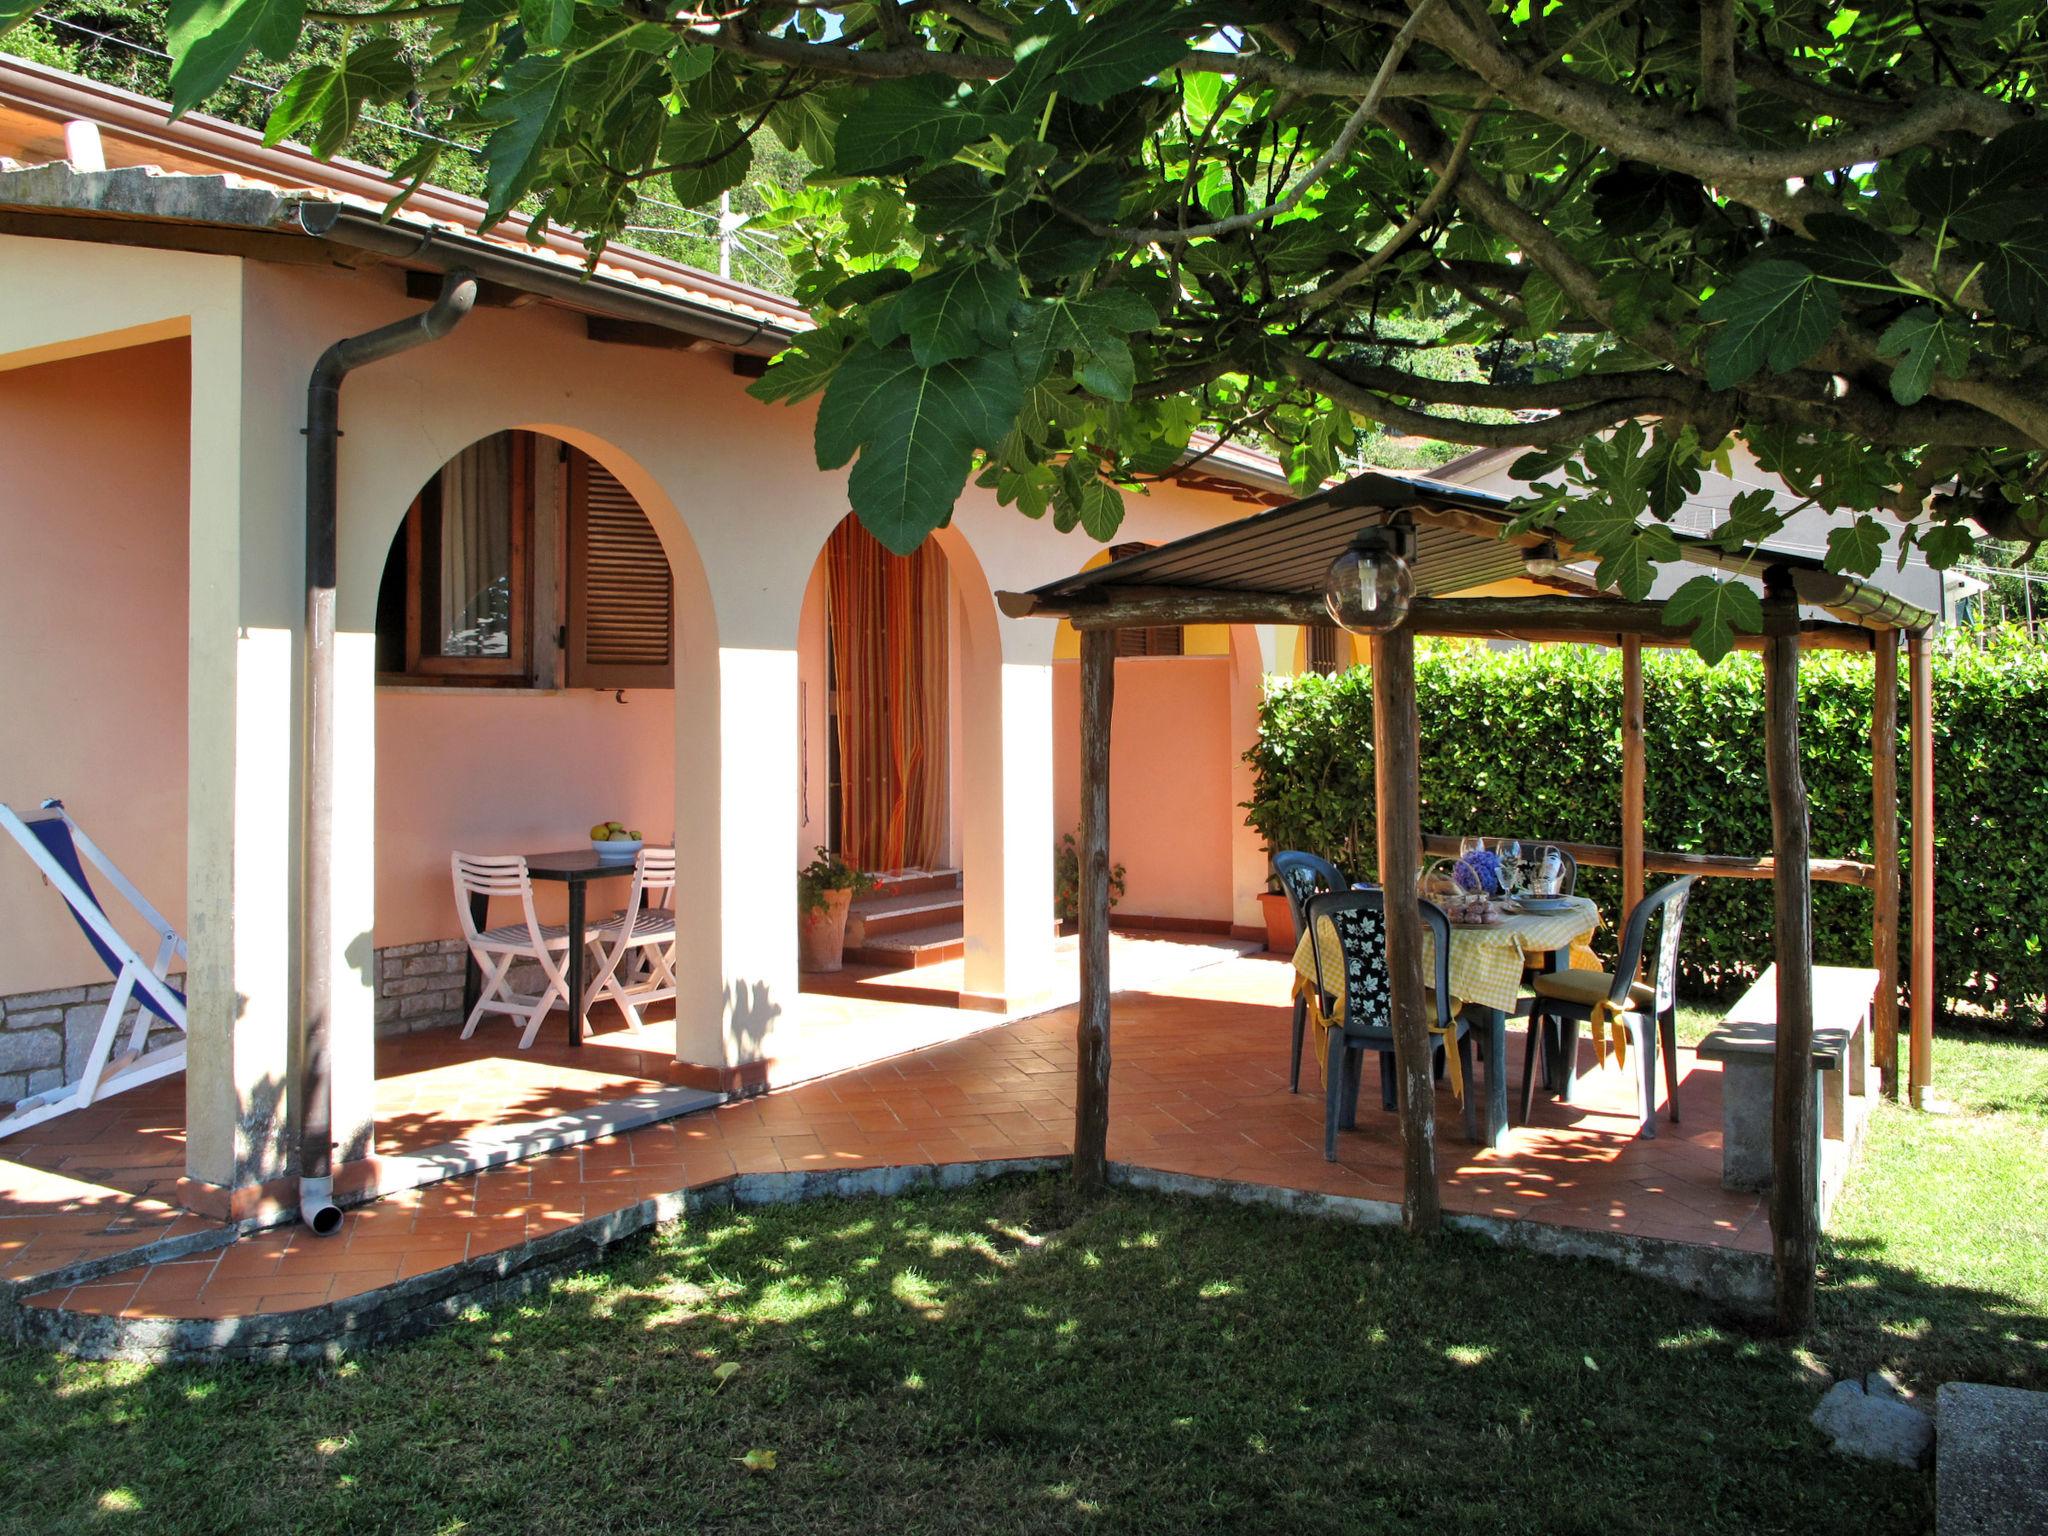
pixel 1884 851
pixel 247 600
pixel 1795 1174
pixel 1091 1101
pixel 1921 667
pixel 1251 648
pixel 1632 773
pixel 734 795
pixel 1397 793
pixel 1007 834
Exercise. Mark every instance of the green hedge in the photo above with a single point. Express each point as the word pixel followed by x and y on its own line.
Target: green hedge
pixel 1529 742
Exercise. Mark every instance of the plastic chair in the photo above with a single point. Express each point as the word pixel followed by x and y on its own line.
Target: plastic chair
pixel 644 928
pixel 497 949
pixel 61 850
pixel 1564 1000
pixel 1304 876
pixel 1359 919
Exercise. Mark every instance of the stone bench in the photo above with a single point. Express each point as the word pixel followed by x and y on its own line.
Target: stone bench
pixel 1746 1045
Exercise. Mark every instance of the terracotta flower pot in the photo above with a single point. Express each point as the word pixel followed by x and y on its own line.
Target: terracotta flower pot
pixel 821 936
pixel 1280 935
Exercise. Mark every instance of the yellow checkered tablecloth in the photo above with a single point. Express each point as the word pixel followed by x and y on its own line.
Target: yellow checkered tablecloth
pixel 1486 963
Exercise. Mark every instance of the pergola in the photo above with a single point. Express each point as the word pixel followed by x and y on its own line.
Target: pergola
pixel 1271 569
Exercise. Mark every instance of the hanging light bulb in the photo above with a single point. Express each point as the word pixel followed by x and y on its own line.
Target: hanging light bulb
pixel 1369 585
pixel 1541 560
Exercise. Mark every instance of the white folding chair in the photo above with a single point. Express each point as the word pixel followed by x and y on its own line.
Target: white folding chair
pixel 644 930
pixel 498 949
pixel 56 843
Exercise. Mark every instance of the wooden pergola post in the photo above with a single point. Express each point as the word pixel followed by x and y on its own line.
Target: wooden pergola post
pixel 1920 665
pixel 1091 1100
pixel 1795 1172
pixel 1397 788
pixel 1632 773
pixel 1884 852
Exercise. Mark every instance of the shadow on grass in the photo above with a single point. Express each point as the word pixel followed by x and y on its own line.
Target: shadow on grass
pixel 1005 1358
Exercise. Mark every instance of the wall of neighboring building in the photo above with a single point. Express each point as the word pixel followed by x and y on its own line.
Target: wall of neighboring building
pixel 93 597
pixel 1805 533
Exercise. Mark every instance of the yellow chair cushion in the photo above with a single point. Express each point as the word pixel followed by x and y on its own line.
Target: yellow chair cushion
pixel 1589 987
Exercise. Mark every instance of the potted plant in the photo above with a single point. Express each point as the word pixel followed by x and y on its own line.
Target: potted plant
pixel 825 888
pixel 1279 912
pixel 1066 883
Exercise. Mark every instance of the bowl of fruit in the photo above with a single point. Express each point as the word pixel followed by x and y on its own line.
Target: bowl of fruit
pixel 611 842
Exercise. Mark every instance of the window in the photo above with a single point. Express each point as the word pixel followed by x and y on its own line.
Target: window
pixel 1152 640
pixel 525 563
pixel 1323 643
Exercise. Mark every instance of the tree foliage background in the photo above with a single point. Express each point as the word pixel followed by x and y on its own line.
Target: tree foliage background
pixel 1496 726
pixel 1044 243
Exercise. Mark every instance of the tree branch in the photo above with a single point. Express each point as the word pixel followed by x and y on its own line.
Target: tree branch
pixel 1717 61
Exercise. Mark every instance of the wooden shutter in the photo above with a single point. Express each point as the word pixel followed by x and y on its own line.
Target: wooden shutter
pixel 1152 639
pixel 1323 652
pixel 621 598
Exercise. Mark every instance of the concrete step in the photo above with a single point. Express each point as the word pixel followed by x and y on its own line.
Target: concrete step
pixel 871 917
pixel 906 950
pixel 911 882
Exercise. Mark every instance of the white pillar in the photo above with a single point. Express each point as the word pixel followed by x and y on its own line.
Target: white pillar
pixel 240 822
pixel 1007 842
pixel 1251 649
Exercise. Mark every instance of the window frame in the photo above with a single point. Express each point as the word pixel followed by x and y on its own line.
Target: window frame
pixel 515 667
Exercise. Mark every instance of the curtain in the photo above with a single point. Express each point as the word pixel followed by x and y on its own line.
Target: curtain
pixel 888 623
pixel 476 550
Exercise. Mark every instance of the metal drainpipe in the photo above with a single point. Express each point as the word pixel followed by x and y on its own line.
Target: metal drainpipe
pixel 316 924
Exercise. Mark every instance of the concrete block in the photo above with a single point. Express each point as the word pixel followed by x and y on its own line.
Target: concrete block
pixel 13 1085
pixel 431 965
pixel 45 1080
pixel 426 1005
pixel 35 1018
pixel 27 1002
pixel 1991 1474
pixel 27 1050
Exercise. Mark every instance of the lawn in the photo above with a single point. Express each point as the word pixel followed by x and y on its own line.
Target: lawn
pixel 1006 1359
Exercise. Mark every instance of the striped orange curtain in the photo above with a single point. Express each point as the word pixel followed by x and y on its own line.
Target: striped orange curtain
pixel 888 627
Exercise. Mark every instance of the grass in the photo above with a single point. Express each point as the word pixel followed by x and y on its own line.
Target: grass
pixel 1005 1359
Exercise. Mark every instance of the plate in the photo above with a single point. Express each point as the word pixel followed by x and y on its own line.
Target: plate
pixel 1546 903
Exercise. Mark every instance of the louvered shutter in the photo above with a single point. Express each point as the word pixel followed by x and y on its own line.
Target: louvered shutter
pixel 621 599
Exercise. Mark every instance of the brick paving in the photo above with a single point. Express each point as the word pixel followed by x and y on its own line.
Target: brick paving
pixel 1198 1087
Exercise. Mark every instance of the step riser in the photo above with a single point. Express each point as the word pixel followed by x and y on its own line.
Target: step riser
pixel 864 926
pixel 914 885
pixel 906 959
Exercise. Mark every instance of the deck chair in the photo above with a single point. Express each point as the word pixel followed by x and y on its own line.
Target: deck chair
pixel 61 851
pixel 498 949
pixel 636 946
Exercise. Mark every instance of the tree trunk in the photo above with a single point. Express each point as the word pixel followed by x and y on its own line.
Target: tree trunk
pixel 1091 1101
pixel 1398 792
pixel 1795 1176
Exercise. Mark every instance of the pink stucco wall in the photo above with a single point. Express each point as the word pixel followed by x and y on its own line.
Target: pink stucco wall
pixel 508 773
pixel 92 585
pixel 1170 807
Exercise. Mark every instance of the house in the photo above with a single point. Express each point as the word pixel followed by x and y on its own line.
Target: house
pixel 583 575
pixel 1805 532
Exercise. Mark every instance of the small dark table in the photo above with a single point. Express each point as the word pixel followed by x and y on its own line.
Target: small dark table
pixel 575 868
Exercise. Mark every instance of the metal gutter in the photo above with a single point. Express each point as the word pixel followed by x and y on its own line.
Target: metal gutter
pixel 440 250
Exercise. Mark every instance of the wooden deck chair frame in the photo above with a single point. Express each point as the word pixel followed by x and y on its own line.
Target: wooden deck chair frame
pixel 647 923
pixel 144 984
pixel 498 949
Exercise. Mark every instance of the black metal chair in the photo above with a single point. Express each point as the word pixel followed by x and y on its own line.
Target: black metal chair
pixel 1359 920
pixel 1566 999
pixel 1304 876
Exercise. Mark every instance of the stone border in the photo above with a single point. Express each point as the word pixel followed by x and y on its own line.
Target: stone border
pixel 406 1308
pixel 417 1305
pixel 1731 1277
